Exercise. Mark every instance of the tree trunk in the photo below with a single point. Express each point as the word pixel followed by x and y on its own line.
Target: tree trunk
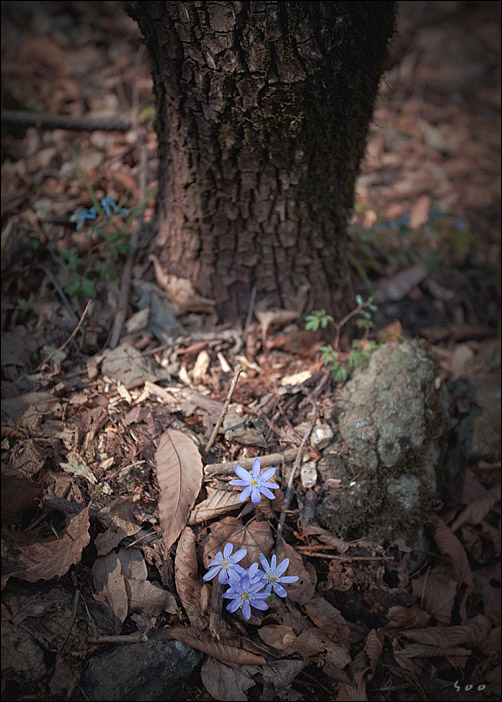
pixel 263 110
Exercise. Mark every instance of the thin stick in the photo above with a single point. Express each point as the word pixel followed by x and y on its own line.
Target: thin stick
pixel 72 336
pixel 228 468
pixel 237 372
pixel 289 490
pixel 78 124
pixel 127 638
pixel 348 559
pixel 73 617
pixel 60 292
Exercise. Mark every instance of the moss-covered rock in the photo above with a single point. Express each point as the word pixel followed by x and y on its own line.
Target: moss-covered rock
pixel 393 419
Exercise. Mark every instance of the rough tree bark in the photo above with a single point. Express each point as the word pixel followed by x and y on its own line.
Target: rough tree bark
pixel 263 110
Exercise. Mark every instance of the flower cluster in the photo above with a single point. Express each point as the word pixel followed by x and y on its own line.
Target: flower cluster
pixel 251 587
pixel 109 206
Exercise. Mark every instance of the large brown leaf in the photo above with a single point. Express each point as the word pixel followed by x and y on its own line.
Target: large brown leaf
pixel 226 652
pixel 188 585
pixel 453 549
pixel 179 472
pixel 44 560
pixel 256 537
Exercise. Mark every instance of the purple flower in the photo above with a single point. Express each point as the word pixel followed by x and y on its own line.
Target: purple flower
pixel 273 575
pixel 254 483
pixel 224 564
pixel 244 591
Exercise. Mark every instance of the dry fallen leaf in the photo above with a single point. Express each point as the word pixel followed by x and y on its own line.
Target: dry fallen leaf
pixel 225 683
pixel 145 596
pixel 217 502
pixel 109 584
pixel 48 559
pixel 224 651
pixel 179 472
pixel 277 636
pixel 453 549
pixel 188 585
pixel 256 537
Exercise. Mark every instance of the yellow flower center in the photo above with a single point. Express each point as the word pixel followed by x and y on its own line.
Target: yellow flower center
pixel 272 578
pixel 224 564
pixel 244 595
pixel 254 482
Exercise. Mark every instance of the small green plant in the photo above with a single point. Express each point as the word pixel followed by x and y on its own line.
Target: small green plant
pixel 361 348
pixel 317 319
pixel 104 224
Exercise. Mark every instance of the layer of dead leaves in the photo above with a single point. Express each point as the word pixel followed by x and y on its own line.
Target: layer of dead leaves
pixel 111 509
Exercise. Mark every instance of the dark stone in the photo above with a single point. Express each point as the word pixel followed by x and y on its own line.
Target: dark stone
pixel 149 671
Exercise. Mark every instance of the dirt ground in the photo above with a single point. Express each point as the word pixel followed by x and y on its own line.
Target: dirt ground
pixel 103 547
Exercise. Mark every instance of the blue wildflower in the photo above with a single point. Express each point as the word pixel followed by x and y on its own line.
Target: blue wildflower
pixel 225 563
pixel 273 575
pixel 244 591
pixel 254 483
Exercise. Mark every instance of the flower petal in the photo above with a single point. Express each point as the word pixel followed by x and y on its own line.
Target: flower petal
pixel 255 496
pixel 239 555
pixel 268 473
pixel 243 474
pixel 272 486
pixel 233 606
pixel 265 491
pixel 264 562
pixel 227 550
pixel 282 567
pixel 255 471
pixel 245 493
pixel 273 562
pixel 246 610
pixel 279 590
pixel 260 604
pixel 240 483
pixel 289 579
pixel 210 574
pixel 223 577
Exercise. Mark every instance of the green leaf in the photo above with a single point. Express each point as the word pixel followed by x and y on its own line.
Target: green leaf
pixel 72 287
pixel 88 289
pixel 359 300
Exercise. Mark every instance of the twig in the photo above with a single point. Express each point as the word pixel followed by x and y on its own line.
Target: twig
pixel 77 124
pixel 127 638
pixel 125 281
pixel 237 372
pixel 72 335
pixel 348 559
pixel 289 490
pixel 73 617
pixel 60 292
pixel 228 468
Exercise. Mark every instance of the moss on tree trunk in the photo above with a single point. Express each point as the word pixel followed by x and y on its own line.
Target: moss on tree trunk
pixel 262 116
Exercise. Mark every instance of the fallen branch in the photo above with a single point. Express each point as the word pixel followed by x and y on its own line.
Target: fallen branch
pixel 289 490
pixel 228 468
pixel 72 336
pixel 237 372
pixel 76 124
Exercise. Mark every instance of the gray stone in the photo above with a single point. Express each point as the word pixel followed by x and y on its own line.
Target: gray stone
pixel 149 671
pixel 394 421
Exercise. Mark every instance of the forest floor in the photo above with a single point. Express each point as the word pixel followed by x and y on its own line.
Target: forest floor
pixel 81 422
